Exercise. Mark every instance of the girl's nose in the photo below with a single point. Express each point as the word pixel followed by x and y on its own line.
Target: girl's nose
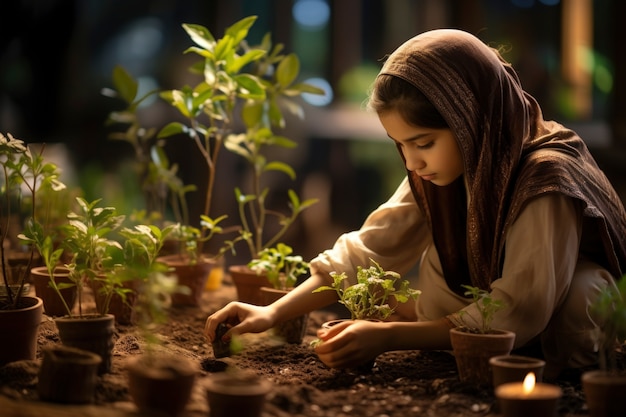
pixel 415 164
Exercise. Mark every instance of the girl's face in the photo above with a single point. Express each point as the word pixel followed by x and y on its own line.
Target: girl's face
pixel 431 153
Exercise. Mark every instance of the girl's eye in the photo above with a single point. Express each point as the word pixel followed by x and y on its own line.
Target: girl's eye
pixel 426 145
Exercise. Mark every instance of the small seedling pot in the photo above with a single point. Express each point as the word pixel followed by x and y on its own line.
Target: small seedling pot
pixel 236 394
pixel 604 393
pixel 221 348
pixel 514 368
pixel 77 368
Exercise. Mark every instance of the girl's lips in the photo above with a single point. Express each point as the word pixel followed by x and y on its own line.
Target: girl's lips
pixel 427 177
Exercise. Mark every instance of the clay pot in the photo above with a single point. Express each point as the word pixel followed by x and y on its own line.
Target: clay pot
pixel 236 394
pixel 291 331
pixel 472 352
pixel 77 368
pixel 52 304
pixel 19 329
pixel 604 393
pixel 161 383
pixel 193 276
pixel 514 368
pixel 93 333
pixel 248 284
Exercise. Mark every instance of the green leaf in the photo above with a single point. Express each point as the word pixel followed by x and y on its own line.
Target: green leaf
pixel 125 84
pixel 304 88
pixel 239 62
pixel 252 113
pixel 224 48
pixel 171 129
pixel 287 70
pixel 283 142
pixel 281 166
pixel 239 30
pixel 249 87
pixel 200 35
pixel 199 51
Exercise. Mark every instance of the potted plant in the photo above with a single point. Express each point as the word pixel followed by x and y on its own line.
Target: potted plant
pixel 275 267
pixel 473 346
pixel 157 380
pixel 261 226
pixel 192 267
pixel 280 266
pixel 88 237
pixel 23 174
pixel 370 297
pixel 52 280
pixel 282 270
pixel 604 388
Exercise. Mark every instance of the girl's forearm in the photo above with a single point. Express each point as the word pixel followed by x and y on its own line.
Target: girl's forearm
pixel 417 335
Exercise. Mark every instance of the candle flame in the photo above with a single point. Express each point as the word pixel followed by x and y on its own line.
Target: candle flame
pixel 529 383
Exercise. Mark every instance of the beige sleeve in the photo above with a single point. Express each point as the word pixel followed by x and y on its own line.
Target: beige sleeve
pixel 394 235
pixel 541 253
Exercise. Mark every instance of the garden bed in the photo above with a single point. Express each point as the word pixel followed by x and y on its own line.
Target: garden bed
pixel 400 383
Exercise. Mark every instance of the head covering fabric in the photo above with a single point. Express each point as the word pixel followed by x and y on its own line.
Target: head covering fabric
pixel 510 153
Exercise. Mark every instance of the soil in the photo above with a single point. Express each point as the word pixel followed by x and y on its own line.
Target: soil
pixel 399 383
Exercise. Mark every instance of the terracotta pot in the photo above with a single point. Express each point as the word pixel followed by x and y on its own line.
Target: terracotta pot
pixel 19 329
pixel 77 368
pixel 604 393
pixel 161 383
pixel 514 368
pixel 472 352
pixel 291 331
pixel 232 394
pixel 193 276
pixel 93 333
pixel 248 284
pixel 53 304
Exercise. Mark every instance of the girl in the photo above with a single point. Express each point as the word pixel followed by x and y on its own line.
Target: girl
pixel 495 197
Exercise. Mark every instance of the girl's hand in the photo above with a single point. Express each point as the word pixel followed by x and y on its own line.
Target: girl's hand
pixel 242 317
pixel 350 343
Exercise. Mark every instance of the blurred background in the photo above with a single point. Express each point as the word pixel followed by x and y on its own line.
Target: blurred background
pixel 57 55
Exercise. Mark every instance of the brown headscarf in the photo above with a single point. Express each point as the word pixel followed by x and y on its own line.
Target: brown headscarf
pixel 511 155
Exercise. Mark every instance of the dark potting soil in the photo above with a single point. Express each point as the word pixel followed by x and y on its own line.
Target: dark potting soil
pixel 399 383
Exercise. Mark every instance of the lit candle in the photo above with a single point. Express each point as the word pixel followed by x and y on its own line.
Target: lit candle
pixel 521 399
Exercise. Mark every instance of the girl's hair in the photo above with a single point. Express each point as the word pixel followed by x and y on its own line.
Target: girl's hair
pixel 393 93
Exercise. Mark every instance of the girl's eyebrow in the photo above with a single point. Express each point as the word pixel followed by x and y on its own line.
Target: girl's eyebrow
pixel 411 139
